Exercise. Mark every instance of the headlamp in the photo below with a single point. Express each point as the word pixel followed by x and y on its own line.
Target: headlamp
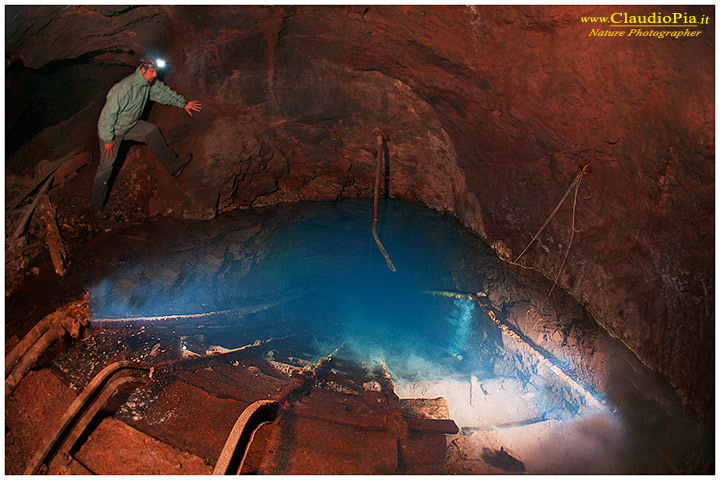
pixel 156 63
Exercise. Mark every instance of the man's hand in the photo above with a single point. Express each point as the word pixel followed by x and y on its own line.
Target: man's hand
pixel 107 149
pixel 193 106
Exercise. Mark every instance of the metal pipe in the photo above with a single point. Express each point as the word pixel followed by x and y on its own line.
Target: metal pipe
pixel 376 204
pixel 32 356
pixel 378 172
pixel 28 341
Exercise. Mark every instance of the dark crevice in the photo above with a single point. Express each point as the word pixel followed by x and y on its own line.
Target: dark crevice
pixel 110 12
pixel 57 65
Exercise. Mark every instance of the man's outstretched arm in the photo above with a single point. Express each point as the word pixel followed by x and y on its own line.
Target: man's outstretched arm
pixel 161 93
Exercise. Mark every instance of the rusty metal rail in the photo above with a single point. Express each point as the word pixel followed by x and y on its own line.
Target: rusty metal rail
pixel 60 443
pixel 238 442
pixel 259 413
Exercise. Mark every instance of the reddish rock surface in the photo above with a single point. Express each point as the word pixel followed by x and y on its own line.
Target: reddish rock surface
pixel 114 448
pixel 28 422
pixel 491 113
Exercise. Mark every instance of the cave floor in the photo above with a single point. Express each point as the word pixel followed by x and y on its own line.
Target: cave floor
pixel 335 416
pixel 339 418
pixel 380 404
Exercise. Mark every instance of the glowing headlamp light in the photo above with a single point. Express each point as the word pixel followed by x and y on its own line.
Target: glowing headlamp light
pixel 160 63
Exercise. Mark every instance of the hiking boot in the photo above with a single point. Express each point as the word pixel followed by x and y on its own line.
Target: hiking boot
pixel 185 162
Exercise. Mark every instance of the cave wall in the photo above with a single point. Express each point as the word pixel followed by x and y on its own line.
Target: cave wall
pixel 491 112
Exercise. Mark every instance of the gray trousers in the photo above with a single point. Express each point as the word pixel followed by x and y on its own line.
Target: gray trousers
pixel 144 132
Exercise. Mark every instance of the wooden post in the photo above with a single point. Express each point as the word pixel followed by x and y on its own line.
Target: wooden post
pixel 58 252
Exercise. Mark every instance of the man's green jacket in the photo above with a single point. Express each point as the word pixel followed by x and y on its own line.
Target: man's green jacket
pixel 126 101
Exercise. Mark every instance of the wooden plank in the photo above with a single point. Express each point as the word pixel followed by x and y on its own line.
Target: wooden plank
pixel 52 167
pixel 31 208
pixel 58 252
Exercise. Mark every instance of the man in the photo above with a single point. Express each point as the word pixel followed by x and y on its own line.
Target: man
pixel 120 120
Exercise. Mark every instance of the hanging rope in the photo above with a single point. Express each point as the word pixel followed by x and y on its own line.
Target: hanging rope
pixel 575 184
pixel 378 172
pixel 572 233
